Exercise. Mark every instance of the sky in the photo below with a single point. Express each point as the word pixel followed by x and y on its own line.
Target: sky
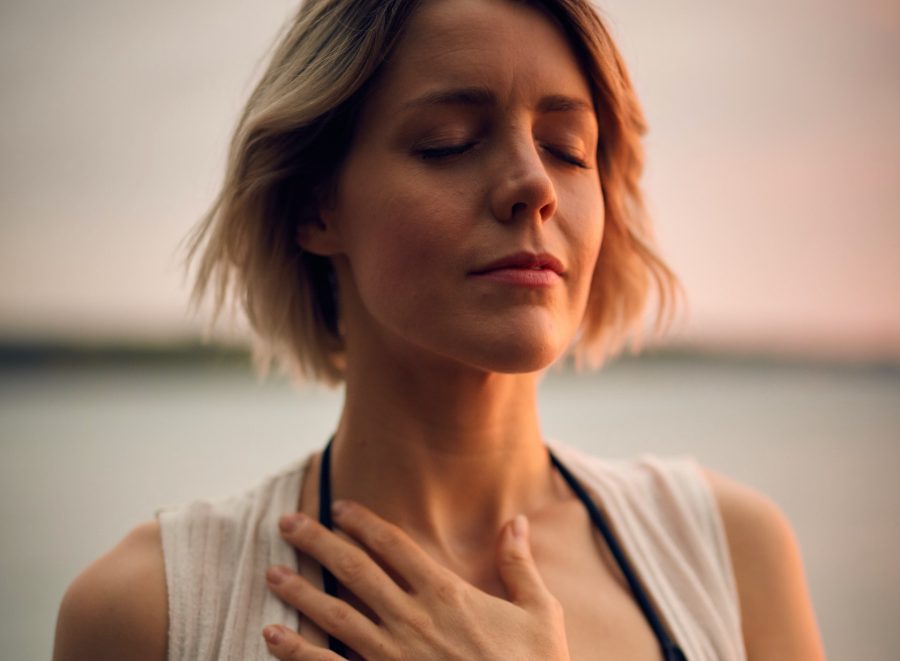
pixel 773 168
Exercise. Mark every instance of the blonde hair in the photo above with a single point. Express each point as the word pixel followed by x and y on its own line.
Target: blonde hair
pixel 295 131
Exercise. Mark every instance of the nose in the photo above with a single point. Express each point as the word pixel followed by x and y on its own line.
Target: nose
pixel 523 188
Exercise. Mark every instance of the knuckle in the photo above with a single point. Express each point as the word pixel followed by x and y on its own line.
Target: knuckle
pixel 515 560
pixel 348 567
pixel 385 539
pixel 421 623
pixel 336 615
pixel 515 556
pixel 449 592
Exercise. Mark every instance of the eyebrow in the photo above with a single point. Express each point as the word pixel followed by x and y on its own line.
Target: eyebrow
pixel 481 98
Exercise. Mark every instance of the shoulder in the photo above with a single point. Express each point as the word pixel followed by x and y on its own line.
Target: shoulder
pixel 776 612
pixel 117 607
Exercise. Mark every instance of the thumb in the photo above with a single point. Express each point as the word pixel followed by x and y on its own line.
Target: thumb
pixel 516 565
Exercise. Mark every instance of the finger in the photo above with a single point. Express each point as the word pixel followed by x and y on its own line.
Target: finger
pixel 350 565
pixel 288 645
pixel 389 542
pixel 333 616
pixel 517 568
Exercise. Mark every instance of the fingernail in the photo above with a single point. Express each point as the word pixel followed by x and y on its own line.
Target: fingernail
pixel 338 507
pixel 272 635
pixel 276 574
pixel 290 522
pixel 520 527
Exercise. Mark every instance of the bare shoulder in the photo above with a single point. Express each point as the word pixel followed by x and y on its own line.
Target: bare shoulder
pixel 116 608
pixel 776 612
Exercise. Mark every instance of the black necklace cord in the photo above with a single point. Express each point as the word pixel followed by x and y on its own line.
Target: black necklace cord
pixel 329 582
pixel 670 650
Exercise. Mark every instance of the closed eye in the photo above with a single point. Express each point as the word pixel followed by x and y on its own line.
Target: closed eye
pixel 566 157
pixel 436 153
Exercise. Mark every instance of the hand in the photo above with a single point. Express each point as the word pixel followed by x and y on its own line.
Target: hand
pixel 440 616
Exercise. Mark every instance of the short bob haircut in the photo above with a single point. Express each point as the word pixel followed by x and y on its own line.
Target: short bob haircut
pixel 290 142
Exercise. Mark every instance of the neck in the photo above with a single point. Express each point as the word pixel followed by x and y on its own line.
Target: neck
pixel 448 457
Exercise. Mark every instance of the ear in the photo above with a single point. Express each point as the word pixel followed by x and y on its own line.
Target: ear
pixel 318 237
pixel 317 232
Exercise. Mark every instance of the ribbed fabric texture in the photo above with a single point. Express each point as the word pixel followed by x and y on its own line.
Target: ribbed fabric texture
pixel 216 555
pixel 661 511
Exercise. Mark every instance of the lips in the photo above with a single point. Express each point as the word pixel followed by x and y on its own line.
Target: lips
pixel 525 261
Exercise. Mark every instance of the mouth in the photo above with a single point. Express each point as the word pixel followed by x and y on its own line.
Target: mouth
pixel 524 261
pixel 524 269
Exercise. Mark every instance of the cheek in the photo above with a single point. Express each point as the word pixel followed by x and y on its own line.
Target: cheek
pixel 585 234
pixel 399 241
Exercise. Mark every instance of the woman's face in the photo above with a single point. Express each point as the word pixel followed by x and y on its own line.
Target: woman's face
pixel 477 144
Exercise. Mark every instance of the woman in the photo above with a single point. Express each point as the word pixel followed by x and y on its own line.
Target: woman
pixel 432 201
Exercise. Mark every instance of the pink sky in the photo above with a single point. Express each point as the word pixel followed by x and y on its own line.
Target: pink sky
pixel 774 162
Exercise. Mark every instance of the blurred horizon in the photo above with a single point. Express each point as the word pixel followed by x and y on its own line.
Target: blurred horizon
pixel 191 353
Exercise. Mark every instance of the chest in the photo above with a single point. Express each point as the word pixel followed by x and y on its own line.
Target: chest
pixel 602 618
pixel 603 621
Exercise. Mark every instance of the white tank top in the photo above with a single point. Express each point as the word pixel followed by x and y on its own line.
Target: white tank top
pixel 661 511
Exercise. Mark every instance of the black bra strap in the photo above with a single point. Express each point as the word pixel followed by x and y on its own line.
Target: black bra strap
pixel 329 582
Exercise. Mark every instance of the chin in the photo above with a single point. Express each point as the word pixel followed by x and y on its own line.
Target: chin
pixel 519 355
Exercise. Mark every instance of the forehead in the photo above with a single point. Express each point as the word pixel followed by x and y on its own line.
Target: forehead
pixel 507 46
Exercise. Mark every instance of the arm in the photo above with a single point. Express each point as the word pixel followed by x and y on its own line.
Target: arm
pixel 777 617
pixel 117 608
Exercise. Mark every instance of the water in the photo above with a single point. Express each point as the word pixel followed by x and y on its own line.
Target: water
pixel 85 454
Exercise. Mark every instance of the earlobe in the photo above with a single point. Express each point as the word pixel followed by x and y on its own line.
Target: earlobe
pixel 310 237
pixel 317 230
pixel 317 237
